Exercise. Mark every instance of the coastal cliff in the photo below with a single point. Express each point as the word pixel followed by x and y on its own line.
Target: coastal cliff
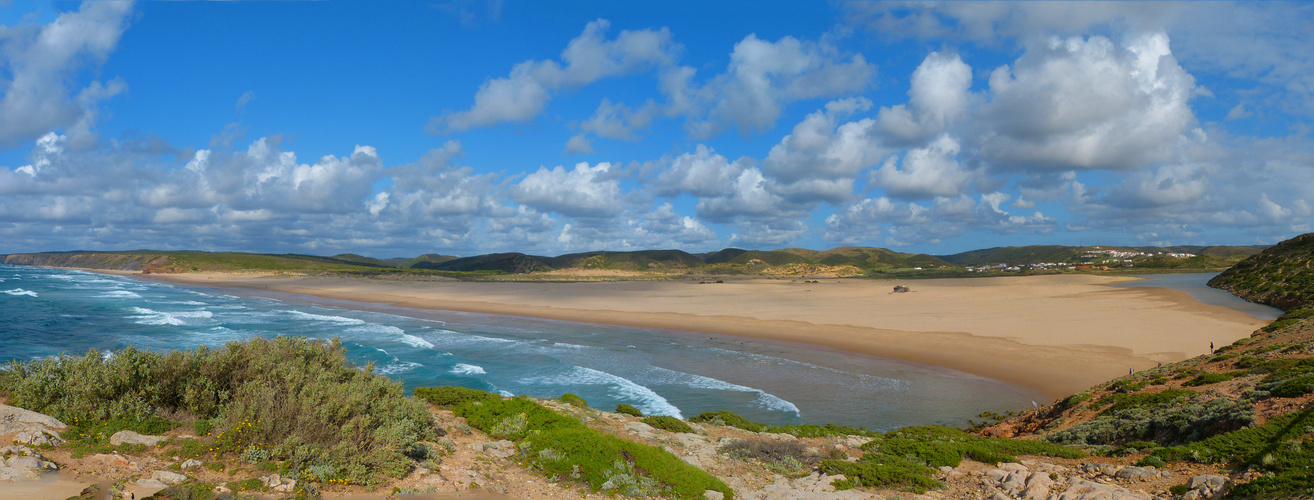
pixel 85 260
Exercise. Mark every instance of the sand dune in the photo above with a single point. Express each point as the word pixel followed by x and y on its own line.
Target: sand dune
pixel 1058 334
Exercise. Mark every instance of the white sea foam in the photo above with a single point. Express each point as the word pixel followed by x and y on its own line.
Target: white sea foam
pixel 120 294
pixel 464 369
pixel 330 319
pixel 415 341
pixel 19 291
pixel 618 387
pixel 192 303
pixel 146 316
pixel 564 345
pixel 764 399
pixel 395 368
pixel 506 394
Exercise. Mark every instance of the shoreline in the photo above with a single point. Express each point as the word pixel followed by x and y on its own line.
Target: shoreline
pixel 1041 350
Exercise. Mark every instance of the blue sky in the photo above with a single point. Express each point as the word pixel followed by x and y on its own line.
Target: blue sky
pixel 466 127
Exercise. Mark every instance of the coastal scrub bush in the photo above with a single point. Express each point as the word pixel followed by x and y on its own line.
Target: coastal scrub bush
pixel 563 447
pixel 298 399
pixel 1206 379
pixel 1119 402
pixel 628 409
pixel 574 400
pixel 784 457
pixel 668 423
pixel 1293 387
pixel 1172 420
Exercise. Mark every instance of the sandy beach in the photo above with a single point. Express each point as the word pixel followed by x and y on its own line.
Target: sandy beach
pixel 1057 334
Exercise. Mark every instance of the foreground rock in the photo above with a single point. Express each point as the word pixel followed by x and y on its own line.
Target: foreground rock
pixel 22 463
pixel 28 427
pixel 129 437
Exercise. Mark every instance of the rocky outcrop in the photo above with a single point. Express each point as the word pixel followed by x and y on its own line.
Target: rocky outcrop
pixel 129 437
pixel 22 463
pixel 28 427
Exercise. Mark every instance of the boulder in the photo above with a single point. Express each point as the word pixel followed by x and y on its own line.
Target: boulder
pixel 168 477
pixel 151 483
pixel 14 419
pixel 129 437
pixel 1133 473
pixel 191 463
pixel 38 438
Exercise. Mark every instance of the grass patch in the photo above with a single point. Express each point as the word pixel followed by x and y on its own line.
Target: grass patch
pixel 565 449
pixel 907 457
pixel 807 430
pixel 669 424
pixel 291 398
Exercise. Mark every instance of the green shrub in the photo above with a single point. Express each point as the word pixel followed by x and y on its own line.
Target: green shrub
pixel 574 400
pixel 1151 461
pixel 1206 379
pixel 201 427
pixel 451 396
pixel 301 398
pixel 627 409
pixel 1178 489
pixel 1294 387
pixel 885 471
pixel 667 423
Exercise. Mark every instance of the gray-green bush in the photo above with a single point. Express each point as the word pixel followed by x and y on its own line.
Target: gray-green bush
pixel 291 398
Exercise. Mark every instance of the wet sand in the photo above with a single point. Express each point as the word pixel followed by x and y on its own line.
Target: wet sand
pixel 1056 334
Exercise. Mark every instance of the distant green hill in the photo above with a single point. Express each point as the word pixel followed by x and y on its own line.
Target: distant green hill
pixel 511 263
pixel 1205 257
pixel 1281 276
pixel 867 258
pixel 642 260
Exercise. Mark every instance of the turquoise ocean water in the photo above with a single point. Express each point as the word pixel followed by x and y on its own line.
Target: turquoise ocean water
pixel 44 312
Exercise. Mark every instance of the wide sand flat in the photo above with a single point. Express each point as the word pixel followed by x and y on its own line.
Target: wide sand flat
pixel 1057 334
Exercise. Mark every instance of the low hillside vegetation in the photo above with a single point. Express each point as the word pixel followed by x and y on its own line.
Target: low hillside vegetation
pixel 564 448
pixel 291 400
